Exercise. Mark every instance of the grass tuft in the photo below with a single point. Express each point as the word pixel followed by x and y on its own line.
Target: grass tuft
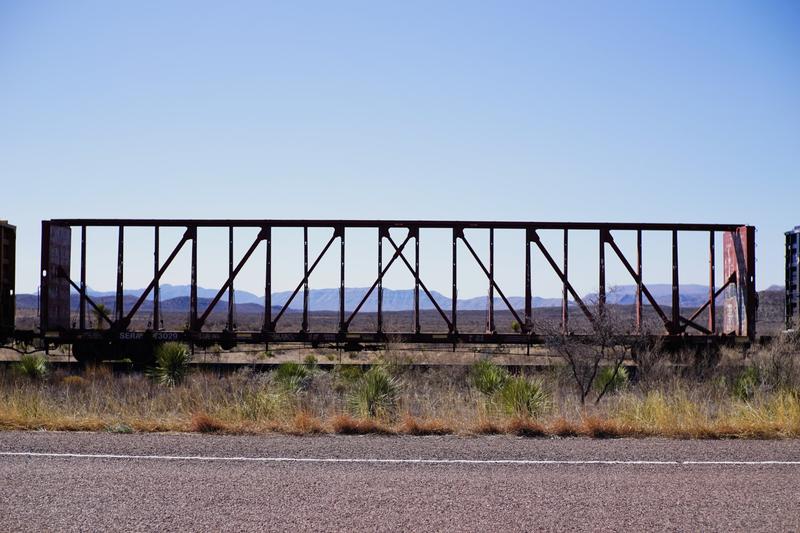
pixel 375 394
pixel 524 427
pixel 561 427
pixel 172 364
pixel 34 367
pixel 414 426
pixel 347 425
pixel 203 423
pixel 522 397
pixel 293 377
pixel 487 377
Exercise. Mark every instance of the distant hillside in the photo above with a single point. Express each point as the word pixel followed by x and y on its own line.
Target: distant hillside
pixel 176 297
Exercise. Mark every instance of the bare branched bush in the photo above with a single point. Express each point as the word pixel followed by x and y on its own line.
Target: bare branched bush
pixel 606 344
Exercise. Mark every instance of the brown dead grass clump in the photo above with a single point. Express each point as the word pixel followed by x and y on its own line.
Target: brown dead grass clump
pixel 347 425
pixel 486 426
pixel 414 426
pixel 203 423
pixel 524 427
pixel 606 428
pixel 304 423
pixel 561 427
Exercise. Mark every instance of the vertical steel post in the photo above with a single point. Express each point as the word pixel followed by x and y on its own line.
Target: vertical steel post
pixel 416 281
pixel 193 283
pixel 44 276
pixel 712 304
pixel 454 309
pixel 156 277
pixel 676 299
pixel 304 326
pixel 82 311
pixel 380 279
pixel 526 327
pixel 752 295
pixel 230 277
pixel 490 326
pixel 639 281
pixel 564 292
pixel 342 325
pixel 119 311
pixel 601 292
pixel 268 326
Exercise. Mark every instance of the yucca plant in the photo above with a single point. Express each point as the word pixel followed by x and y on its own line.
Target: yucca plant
pixel 487 377
pixel 375 394
pixel 31 366
pixel 609 381
pixel 522 397
pixel 172 364
pixel 293 376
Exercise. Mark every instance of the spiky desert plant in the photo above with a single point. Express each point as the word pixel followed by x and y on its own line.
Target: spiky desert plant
pixel 611 379
pixel 31 366
pixel 172 364
pixel 522 397
pixel 292 376
pixel 487 377
pixel 375 394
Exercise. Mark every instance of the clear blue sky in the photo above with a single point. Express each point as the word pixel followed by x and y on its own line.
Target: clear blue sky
pixel 595 111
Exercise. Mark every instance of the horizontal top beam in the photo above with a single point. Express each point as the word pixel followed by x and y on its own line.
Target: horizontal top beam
pixel 430 224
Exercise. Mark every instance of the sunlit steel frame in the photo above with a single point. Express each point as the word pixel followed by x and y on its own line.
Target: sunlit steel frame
pixel 675 324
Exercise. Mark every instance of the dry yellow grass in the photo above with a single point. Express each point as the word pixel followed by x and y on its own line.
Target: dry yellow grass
pixel 430 404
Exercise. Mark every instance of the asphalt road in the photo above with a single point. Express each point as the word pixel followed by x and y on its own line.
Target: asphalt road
pixel 84 481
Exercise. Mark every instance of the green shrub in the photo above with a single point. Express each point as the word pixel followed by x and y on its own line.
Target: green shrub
pixel 522 397
pixel 375 394
pixel 34 367
pixel 310 361
pixel 746 383
pixel 487 377
pixel 615 382
pixel 292 376
pixel 263 404
pixel 172 364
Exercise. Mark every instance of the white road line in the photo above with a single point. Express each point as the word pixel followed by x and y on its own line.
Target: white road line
pixel 209 458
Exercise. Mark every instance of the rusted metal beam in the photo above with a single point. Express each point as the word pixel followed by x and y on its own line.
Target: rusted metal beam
pixel 490 319
pixel 304 283
pixel 342 323
pixel 229 282
pixel 268 325
pixel 601 264
pixel 549 258
pixel 82 307
pixel 422 284
pixel 156 284
pixel 491 279
pixel 564 291
pixel 98 310
pixel 454 301
pixel 193 282
pixel 377 283
pixel 637 278
pixel 712 297
pixel 156 278
pixel 118 301
pixel 527 326
pixel 676 298
pixel 427 224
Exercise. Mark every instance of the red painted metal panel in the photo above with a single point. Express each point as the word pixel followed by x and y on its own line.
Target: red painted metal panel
pixel 740 299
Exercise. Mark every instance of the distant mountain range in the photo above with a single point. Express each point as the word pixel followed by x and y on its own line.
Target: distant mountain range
pixel 176 298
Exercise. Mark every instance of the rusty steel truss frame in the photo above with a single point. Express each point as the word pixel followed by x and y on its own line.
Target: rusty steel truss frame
pixel 56 284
